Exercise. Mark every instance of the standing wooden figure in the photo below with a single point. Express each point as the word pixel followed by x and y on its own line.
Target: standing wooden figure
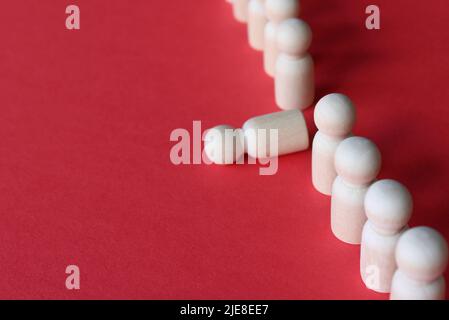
pixel 357 161
pixel 334 117
pixel 276 11
pixel 294 71
pixel 421 256
pixel 257 20
pixel 240 8
pixel 388 206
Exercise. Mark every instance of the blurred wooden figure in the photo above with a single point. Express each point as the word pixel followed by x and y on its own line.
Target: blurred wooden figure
pixel 240 10
pixel 294 70
pixel 256 24
pixel 276 11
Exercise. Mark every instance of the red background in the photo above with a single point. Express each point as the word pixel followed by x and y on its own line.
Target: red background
pixel 85 174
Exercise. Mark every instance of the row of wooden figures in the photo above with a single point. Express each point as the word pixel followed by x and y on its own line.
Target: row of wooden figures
pixel 409 263
pixel 274 28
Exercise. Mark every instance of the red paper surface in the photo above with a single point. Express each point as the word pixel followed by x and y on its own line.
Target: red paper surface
pixel 85 173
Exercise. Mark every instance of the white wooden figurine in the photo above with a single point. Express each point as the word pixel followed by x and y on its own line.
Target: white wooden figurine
pixel 334 117
pixel 257 20
pixel 294 71
pixel 240 8
pixel 357 161
pixel 421 256
pixel 224 144
pixel 291 134
pixel 388 206
pixel 276 11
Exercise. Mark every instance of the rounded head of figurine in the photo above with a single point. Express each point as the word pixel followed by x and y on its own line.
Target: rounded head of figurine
pixel 357 160
pixel 279 10
pixel 224 144
pixel 335 115
pixel 388 206
pixel 294 37
pixel 422 254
